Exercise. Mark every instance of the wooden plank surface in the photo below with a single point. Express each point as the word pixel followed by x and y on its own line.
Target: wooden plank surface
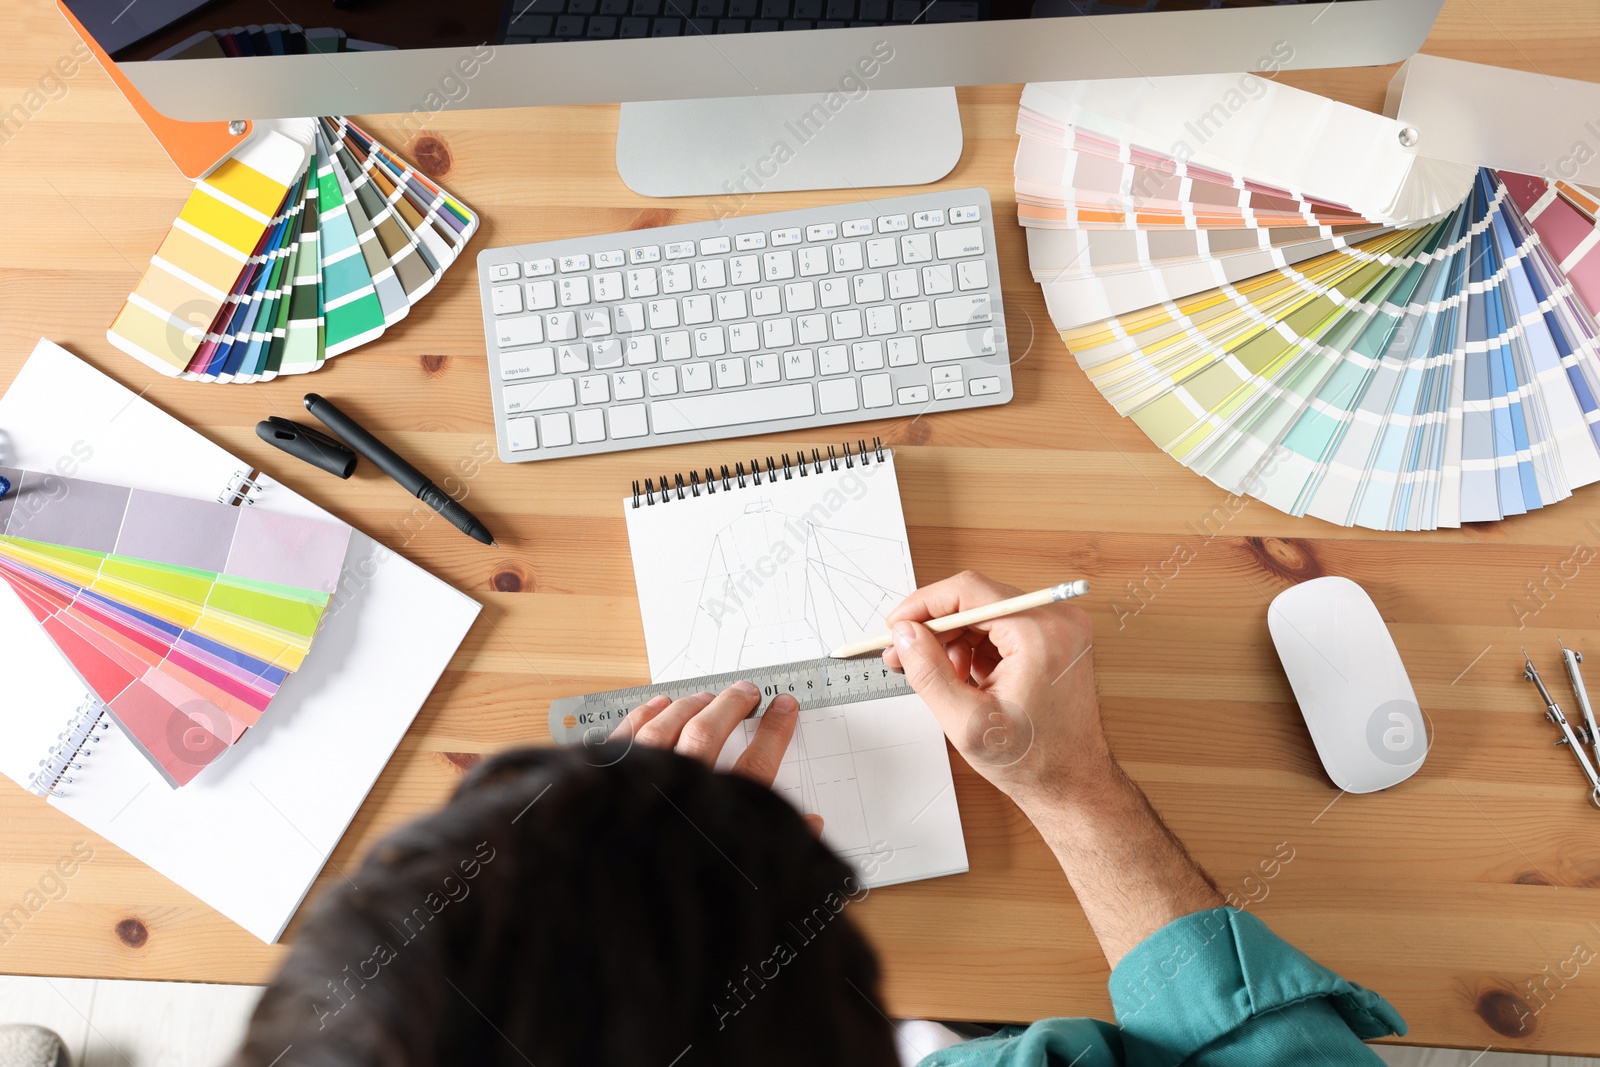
pixel 1462 895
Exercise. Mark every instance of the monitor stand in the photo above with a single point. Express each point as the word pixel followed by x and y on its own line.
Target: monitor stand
pixel 735 148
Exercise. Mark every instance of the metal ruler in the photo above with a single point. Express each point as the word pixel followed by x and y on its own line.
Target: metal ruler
pixel 815 683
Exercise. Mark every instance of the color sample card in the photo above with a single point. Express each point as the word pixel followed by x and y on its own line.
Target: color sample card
pixel 284 257
pixel 183 616
pixel 1390 375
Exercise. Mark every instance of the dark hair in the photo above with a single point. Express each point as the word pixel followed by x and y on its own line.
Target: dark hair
pixel 584 907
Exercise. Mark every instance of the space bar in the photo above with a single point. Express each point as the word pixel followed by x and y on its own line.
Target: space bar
pixel 732 409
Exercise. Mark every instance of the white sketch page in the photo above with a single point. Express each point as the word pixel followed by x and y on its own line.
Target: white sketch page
pixel 785 570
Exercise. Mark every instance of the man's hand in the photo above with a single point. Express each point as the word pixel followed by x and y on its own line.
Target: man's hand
pixel 698 726
pixel 1016 696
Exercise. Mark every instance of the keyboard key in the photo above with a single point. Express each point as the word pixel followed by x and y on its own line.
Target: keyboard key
pixel 608 353
pixel 711 274
pixel 867 355
pixel 835 292
pixel 881 252
pixel 732 409
pixel 836 395
pixel 811 329
pixel 608 286
pixel 747 242
pixel 574 291
pixel 641 349
pixel 765 301
pixel 799 296
pixel 937 280
pixel 675 345
pixel 507 299
pixel 627 29
pixel 915 248
pixel 609 259
pixel 846 324
pixel 680 250
pixel 962 310
pixel 730 373
pixel 833 359
pixel 880 320
pixel 731 304
pixel 509 333
pixel 952 373
pixel 892 223
pixel 630 318
pixel 628 384
pixel 953 244
pixel 594 389
pixel 560 326
pixel 877 391
pixel 973 274
pixel 949 390
pixel 868 288
pixel 533 363
pixel 913 394
pixel 642 282
pixel 503 272
pixel 813 261
pixel 541 295
pixel 711 246
pixel 923 220
pixel 589 426
pixel 915 315
pixel 664 28
pixel 744 270
pixel 576 262
pixel 764 369
pixel 902 352
pixel 744 337
pixel 778 266
pixel 984 386
pixel 961 344
pixel 538 268
pixel 662 314
pixel 710 342
pixel 857 228
pixel 847 257
pixel 799 364
pixel 902 284
pixel 964 214
pixel 539 396
pixel 822 231
pixel 627 421
pixel 662 381
pixel 676 278
pixel 644 254
pixel 521 435
pixel 595 322
pixel 696 377
pixel 697 310
pixel 777 333
pixel 789 236
pixel 572 358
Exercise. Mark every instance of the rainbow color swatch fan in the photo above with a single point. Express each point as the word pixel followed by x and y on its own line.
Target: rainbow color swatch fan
pixel 183 617
pixel 309 241
pixel 1287 299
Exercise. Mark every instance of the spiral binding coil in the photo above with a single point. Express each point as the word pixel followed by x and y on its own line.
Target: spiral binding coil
pixel 241 489
pixel 73 746
pixel 674 486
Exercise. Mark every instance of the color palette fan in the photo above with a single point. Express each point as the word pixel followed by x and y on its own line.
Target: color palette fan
pixel 309 241
pixel 1332 359
pixel 184 617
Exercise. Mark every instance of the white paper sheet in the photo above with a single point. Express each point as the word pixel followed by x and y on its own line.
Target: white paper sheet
pixel 785 570
pixel 249 835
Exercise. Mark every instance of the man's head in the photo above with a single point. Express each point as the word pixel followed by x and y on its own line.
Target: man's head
pixel 562 911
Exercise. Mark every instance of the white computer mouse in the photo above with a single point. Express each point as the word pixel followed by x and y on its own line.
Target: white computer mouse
pixel 1352 688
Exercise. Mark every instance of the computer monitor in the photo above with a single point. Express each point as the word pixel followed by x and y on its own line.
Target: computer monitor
pixel 720 96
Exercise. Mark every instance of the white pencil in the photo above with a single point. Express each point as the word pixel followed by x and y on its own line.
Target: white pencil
pixel 1000 608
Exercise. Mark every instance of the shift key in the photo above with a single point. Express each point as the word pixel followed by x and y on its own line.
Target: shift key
pixel 958 344
pixel 539 396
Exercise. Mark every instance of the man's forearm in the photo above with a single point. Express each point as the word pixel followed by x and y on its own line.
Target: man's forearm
pixel 1131 875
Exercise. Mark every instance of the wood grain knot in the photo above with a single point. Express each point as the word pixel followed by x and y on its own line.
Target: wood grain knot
pixel 916 432
pixel 510 579
pixel 433 366
pixel 133 933
pixel 462 761
pixel 650 218
pixel 432 155
pixel 1530 878
pixel 1506 1013
pixel 1288 558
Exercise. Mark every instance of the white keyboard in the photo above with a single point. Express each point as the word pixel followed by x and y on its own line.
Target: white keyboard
pixel 749 325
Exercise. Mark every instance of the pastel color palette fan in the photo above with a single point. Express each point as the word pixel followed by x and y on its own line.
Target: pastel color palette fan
pixel 1347 364
pixel 184 617
pixel 309 241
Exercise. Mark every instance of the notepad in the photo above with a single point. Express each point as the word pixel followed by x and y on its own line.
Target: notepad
pixel 748 570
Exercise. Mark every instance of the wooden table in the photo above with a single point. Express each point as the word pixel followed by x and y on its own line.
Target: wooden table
pixel 1462 895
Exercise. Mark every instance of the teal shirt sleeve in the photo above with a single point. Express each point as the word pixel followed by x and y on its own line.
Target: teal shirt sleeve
pixel 1212 989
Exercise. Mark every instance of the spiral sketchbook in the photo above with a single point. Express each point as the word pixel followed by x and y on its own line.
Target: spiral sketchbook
pixel 750 567
pixel 249 836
